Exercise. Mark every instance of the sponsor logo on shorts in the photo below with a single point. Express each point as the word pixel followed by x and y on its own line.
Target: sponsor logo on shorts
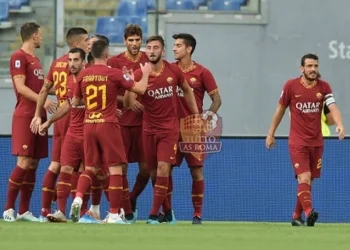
pixel 95 117
pixel 201 134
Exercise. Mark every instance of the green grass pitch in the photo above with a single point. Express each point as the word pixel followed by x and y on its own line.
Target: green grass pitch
pixel 183 236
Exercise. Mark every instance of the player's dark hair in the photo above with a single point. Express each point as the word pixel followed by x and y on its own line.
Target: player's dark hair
pixel 98 48
pixel 28 29
pixel 189 40
pixel 80 51
pixel 132 30
pixel 101 37
pixel 73 32
pixel 308 56
pixel 156 38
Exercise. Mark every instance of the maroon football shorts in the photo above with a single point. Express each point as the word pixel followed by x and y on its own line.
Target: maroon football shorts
pixel 24 142
pixel 72 153
pixel 160 147
pixel 103 143
pixel 59 131
pixel 306 159
pixel 132 139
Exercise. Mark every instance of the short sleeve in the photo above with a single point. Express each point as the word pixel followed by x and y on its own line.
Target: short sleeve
pixel 209 82
pixel 328 94
pixel 18 65
pixel 77 89
pixel 49 76
pixel 286 95
pixel 137 75
pixel 123 80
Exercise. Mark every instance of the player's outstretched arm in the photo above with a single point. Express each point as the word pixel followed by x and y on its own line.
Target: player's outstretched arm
pixel 189 97
pixel 336 114
pixel 61 112
pixel 276 120
pixel 43 101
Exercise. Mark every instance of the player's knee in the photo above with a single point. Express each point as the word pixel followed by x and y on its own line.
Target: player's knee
pixel 197 173
pixel 163 169
pixel 24 162
pixel 115 170
pixel 55 167
pixel 67 169
pixel 304 178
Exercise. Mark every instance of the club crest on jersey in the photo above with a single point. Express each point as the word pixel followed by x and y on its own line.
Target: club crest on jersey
pixel 319 96
pixel 169 79
pixel 193 80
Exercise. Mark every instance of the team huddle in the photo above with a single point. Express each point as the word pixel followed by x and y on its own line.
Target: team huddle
pixel 127 108
pixel 110 111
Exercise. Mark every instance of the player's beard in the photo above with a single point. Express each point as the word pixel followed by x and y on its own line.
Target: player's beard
pixel 37 45
pixel 134 50
pixel 155 60
pixel 311 78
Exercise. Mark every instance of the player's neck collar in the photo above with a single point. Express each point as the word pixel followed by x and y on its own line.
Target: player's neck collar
pixel 131 59
pixel 157 73
pixel 308 86
pixel 188 69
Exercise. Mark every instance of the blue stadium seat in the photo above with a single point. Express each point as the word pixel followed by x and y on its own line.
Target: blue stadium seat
pixel 198 3
pixel 111 27
pixel 180 4
pixel 4 10
pixel 151 4
pixel 15 4
pixel 226 5
pixel 132 8
pixel 142 22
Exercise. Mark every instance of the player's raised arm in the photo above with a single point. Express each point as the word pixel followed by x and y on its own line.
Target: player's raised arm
pixel 141 85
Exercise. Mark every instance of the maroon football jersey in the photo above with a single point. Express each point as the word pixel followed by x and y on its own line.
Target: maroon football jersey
pixel 77 114
pixel 160 100
pixel 58 75
pixel 98 85
pixel 129 117
pixel 29 67
pixel 201 80
pixel 305 104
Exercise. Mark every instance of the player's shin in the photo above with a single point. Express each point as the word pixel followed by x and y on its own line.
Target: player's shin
pixel 197 189
pixel 63 190
pixel 48 190
pixel 27 189
pixel 84 183
pixel 126 199
pixel 304 195
pixel 115 191
pixel 96 195
pixel 14 185
pixel 74 182
pixel 141 182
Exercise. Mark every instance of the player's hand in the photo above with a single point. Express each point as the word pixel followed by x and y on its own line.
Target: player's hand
pixel 43 128
pixel 35 124
pixel 119 113
pixel 50 106
pixel 270 142
pixel 128 74
pixel 211 119
pixel 137 107
pixel 146 68
pixel 341 132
